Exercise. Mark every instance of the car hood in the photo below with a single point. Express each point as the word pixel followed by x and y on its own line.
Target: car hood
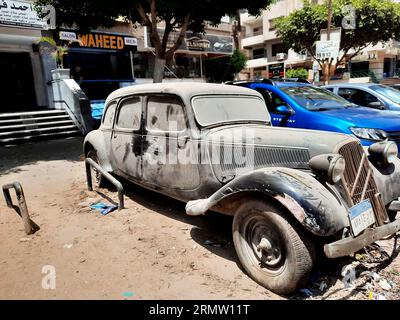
pixel 272 146
pixel 366 118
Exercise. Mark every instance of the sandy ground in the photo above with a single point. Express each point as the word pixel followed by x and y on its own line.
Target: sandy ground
pixel 151 250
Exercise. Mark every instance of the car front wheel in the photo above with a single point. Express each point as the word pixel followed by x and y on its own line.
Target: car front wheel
pixel 271 248
pixel 99 180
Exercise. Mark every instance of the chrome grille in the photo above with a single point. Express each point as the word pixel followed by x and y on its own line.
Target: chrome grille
pixel 359 180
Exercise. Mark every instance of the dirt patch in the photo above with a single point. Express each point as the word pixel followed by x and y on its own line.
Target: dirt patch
pixel 150 250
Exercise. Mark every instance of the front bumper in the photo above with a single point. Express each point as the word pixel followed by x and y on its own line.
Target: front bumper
pixel 349 245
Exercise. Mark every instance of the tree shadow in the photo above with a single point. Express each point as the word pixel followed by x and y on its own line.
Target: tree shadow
pixel 13 158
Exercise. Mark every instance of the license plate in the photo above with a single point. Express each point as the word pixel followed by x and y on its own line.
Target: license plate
pixel 361 217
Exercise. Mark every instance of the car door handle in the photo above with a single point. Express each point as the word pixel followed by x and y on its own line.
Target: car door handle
pixel 182 141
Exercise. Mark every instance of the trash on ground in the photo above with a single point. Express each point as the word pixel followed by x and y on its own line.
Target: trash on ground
pixel 67 246
pixel 374 276
pixel 349 276
pixel 376 296
pixel 306 292
pixel 323 286
pixel 24 239
pixel 104 208
pixel 385 285
pixel 128 294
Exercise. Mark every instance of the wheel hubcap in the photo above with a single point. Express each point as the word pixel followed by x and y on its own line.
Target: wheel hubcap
pixel 265 242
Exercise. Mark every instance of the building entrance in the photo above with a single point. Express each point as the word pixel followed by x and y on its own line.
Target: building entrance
pixel 16 83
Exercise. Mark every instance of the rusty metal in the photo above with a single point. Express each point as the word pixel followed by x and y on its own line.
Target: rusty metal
pixel 350 245
pixel 22 209
pixel 359 181
pixel 90 163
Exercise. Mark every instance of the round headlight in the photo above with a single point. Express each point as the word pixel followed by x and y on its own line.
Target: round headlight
pixel 385 152
pixel 329 167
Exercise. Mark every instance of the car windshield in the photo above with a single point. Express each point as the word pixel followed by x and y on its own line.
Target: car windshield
pixel 390 93
pixel 210 110
pixel 316 99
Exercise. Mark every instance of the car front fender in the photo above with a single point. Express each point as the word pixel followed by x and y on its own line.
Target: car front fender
pixel 316 207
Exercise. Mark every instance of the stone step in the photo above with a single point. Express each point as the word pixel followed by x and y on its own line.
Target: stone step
pixel 41 137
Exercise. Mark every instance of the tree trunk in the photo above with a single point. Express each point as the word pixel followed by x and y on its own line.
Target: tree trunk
pixel 328 70
pixel 159 67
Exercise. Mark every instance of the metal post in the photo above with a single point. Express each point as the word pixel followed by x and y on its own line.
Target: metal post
pixel 90 163
pixel 22 209
pixel 132 66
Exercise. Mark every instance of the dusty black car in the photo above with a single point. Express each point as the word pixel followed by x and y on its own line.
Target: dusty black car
pixel 213 146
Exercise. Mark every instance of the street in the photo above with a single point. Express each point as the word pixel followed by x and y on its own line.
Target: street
pixel 150 250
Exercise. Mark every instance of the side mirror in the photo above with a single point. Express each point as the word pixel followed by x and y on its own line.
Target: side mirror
pixel 376 105
pixel 285 110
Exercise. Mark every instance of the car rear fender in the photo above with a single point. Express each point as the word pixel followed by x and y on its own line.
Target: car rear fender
pixel 96 140
pixel 316 207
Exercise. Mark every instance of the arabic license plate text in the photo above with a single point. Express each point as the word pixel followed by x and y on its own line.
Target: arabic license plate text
pixel 361 217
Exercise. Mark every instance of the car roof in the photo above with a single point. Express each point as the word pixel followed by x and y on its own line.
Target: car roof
pixel 182 89
pixel 351 85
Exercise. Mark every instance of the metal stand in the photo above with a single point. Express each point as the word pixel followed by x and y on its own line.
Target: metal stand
pixel 90 163
pixel 22 210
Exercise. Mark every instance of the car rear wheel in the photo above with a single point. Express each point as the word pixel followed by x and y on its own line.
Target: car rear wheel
pixel 271 248
pixel 97 177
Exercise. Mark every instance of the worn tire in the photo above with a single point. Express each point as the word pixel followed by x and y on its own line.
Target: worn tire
pixel 98 179
pixel 291 265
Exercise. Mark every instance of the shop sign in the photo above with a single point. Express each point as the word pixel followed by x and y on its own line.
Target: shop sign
pixel 276 71
pixel 99 40
pixel 66 35
pixel 328 49
pixel 199 42
pixel 20 14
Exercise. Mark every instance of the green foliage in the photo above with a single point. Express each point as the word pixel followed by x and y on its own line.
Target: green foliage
pixel 376 21
pixel 297 73
pixel 224 69
pixel 238 61
pixel 90 14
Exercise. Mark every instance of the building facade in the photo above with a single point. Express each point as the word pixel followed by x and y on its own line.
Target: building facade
pixel 268 59
pixel 22 79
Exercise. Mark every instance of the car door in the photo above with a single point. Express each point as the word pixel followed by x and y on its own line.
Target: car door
pixel 126 141
pixel 282 114
pixel 361 97
pixel 170 156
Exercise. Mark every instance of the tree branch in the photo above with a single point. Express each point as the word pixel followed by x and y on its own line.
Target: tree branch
pixel 181 36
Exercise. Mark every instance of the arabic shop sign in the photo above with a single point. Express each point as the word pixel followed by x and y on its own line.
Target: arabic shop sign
pixel 99 40
pixel 196 42
pixel 19 14
pixel 276 71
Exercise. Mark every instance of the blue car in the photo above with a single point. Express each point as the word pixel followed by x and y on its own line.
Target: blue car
pixel 302 105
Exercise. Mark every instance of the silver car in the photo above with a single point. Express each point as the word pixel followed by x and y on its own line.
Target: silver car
pixel 370 95
pixel 212 146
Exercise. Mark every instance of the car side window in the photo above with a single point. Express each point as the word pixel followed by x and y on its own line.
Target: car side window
pixel 165 114
pixel 272 100
pixel 130 114
pixel 357 96
pixel 108 118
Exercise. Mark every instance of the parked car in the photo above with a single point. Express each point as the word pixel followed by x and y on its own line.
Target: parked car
pixel 301 105
pixel 370 95
pixel 213 147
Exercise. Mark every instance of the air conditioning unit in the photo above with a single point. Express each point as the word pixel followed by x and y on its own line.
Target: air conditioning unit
pixel 281 56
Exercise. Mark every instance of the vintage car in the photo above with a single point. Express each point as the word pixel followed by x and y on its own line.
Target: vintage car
pixel 288 190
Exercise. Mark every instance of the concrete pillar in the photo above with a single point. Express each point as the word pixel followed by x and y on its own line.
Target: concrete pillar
pixel 48 64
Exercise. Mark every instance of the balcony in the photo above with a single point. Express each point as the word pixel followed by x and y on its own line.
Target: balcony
pixel 252 41
pixel 257 63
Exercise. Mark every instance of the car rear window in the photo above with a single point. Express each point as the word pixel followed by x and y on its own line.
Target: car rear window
pixel 210 110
